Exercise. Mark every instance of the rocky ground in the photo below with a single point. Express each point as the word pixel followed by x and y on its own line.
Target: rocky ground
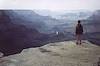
pixel 65 53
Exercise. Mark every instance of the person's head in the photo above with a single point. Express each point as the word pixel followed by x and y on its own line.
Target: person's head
pixel 79 21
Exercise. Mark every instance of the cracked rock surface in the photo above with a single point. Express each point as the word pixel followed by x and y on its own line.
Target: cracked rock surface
pixel 65 53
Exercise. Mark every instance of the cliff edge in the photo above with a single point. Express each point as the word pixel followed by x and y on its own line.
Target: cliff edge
pixel 65 53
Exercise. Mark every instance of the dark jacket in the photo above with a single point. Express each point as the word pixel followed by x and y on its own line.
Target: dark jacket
pixel 79 29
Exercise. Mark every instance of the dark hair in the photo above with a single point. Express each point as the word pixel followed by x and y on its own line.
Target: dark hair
pixel 79 21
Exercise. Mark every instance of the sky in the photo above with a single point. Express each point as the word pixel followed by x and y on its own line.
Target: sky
pixel 53 5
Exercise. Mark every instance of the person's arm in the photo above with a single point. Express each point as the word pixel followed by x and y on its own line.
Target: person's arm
pixel 76 30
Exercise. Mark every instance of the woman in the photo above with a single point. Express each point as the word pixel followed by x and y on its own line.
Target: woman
pixel 79 33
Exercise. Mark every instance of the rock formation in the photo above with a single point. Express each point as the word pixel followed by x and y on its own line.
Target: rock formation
pixel 65 53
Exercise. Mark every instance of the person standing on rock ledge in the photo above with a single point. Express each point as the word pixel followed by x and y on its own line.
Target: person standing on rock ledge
pixel 79 33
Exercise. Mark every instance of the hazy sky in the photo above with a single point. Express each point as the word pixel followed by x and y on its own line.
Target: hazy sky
pixel 50 4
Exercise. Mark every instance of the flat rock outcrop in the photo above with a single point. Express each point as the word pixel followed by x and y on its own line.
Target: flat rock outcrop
pixel 65 53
